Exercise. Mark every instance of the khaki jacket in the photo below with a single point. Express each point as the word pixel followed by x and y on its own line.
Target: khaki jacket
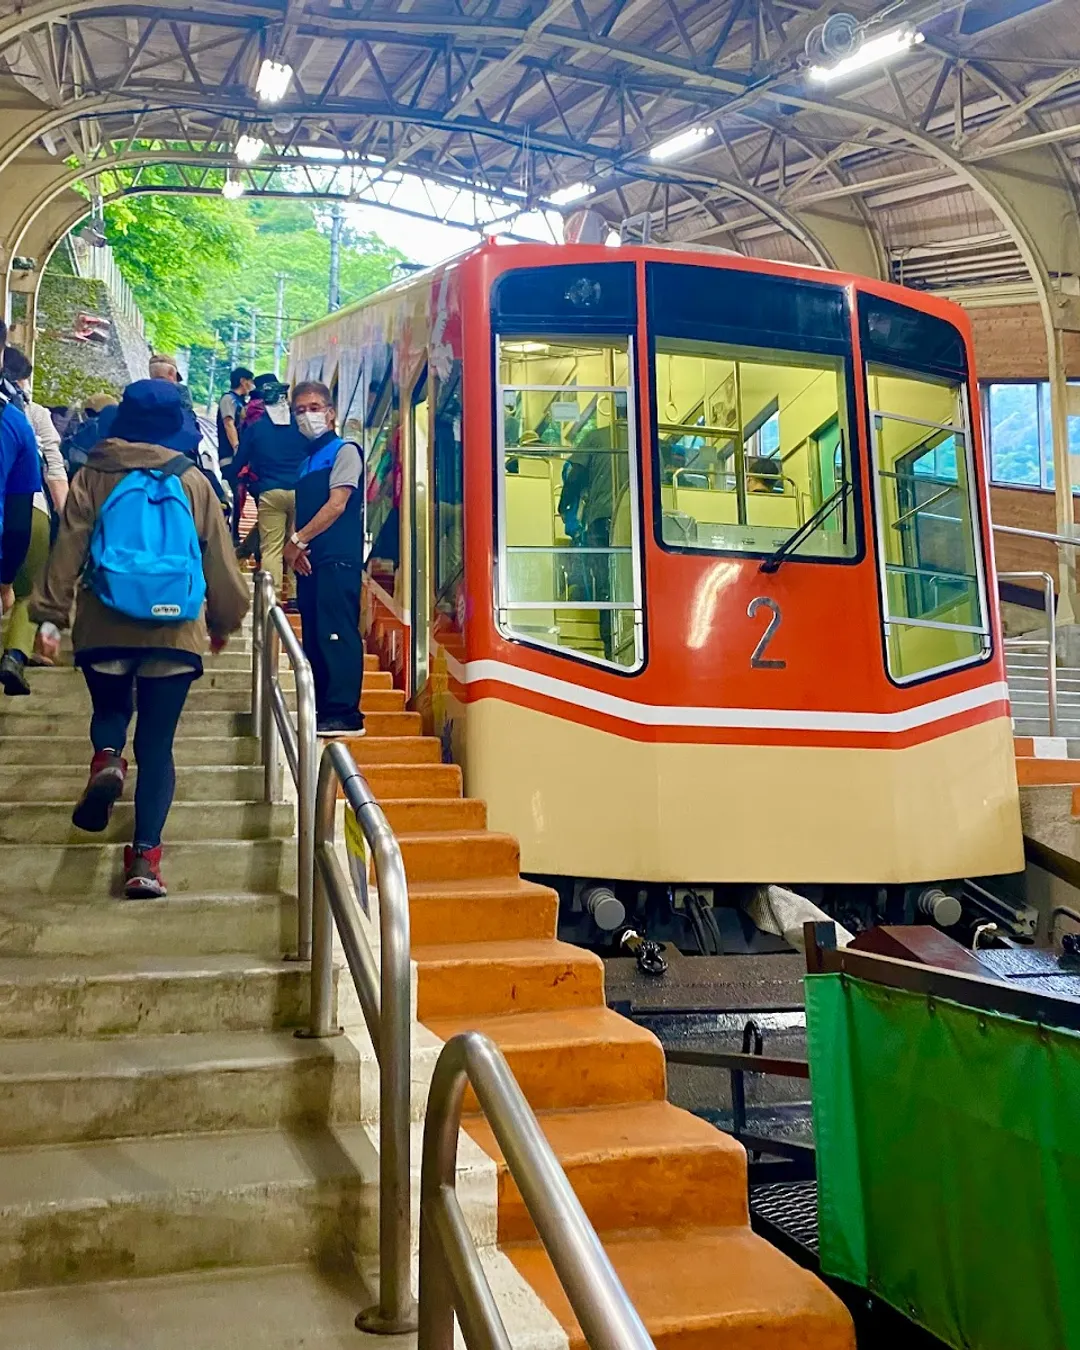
pixel 96 625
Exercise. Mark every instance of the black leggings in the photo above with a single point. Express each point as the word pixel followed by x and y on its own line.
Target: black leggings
pixel 159 703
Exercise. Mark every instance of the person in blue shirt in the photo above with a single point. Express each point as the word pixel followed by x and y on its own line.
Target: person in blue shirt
pixel 326 551
pixel 20 478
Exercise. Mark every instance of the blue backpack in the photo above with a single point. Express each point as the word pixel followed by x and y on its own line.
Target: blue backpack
pixel 145 558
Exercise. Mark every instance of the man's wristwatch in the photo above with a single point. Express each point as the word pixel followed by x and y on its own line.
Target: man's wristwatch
pixel 300 543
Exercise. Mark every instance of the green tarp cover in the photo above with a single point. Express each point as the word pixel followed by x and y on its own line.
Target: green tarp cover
pixel 948 1156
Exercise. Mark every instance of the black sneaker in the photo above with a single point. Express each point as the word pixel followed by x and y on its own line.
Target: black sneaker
pixel 12 675
pixel 341 726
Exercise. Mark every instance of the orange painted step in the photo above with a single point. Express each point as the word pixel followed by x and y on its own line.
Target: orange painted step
pixel 702 1289
pixel 646 1165
pixel 371 662
pixel 481 908
pixel 399 750
pixel 1040 772
pixel 408 815
pixel 381 700
pixel 391 723
pixel 377 679
pixel 438 856
pixel 580 1057
pixel 491 978
pixel 389 781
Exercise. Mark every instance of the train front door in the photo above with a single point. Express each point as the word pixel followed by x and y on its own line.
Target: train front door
pixel 420 587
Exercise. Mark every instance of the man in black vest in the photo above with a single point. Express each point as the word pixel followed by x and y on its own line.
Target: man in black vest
pixel 327 552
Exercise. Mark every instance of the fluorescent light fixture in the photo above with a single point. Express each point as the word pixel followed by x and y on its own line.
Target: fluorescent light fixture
pixel 249 148
pixel 573 192
pixel 681 142
pixel 273 82
pixel 231 189
pixel 873 53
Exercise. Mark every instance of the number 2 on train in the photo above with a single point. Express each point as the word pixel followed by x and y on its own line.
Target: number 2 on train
pixel 759 661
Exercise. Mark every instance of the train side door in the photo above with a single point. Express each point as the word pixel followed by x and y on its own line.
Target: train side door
pixel 420 588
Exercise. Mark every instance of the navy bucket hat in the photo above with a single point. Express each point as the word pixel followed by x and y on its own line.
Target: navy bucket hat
pixel 151 412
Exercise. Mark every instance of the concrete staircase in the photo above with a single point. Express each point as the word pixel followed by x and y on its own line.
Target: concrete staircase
pixel 1026 673
pixel 159 1119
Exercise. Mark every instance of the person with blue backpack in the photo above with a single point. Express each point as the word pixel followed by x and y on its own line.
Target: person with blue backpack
pixel 144 554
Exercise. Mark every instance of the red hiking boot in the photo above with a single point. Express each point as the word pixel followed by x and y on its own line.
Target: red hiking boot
pixel 142 873
pixel 105 784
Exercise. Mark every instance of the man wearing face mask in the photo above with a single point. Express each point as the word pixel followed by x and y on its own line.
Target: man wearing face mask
pixel 273 449
pixel 326 551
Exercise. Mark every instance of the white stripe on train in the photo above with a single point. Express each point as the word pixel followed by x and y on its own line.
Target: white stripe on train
pixel 763 719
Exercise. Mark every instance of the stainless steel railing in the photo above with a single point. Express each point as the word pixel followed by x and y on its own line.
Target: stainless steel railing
pixel 1049 642
pixel 451 1276
pixel 270 632
pixel 386 999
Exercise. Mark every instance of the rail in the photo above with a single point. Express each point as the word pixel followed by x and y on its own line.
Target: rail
pixel 386 999
pixel 451 1276
pixel 270 632
pixel 1049 642
pixel 1072 542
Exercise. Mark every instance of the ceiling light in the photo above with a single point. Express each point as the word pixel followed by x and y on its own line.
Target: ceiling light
pixel 872 53
pixel 273 82
pixel 231 189
pixel 249 148
pixel 573 192
pixel 283 123
pixel 680 143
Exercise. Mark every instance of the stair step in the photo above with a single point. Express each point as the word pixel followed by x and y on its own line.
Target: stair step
pixel 410 748
pixel 188 924
pixel 436 856
pixel 495 908
pixel 390 782
pixel 380 724
pixel 50 822
pixel 407 815
pixel 56 1091
pixel 227 866
pixel 579 1057
pixel 128 995
pixel 52 682
pixel 37 720
pixel 74 750
pixel 646 1165
pixel 135 1208
pixel 698 1289
pixel 72 700
pixel 492 978
pixel 204 783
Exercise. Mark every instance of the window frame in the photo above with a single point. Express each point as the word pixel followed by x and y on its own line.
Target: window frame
pixel 963 428
pixel 854 460
pixel 500 577
pixel 444 587
pixel 1043 432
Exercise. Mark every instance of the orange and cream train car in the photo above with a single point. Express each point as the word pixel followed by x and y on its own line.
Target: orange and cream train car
pixel 685 556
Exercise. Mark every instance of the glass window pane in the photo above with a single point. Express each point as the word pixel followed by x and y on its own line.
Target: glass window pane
pixel 449 484
pixel 933 593
pixel 1014 434
pixel 383 454
pixel 568 559
pixel 751 444
pixel 1048 438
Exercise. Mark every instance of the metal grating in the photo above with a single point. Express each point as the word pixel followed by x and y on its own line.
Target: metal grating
pixel 789 1206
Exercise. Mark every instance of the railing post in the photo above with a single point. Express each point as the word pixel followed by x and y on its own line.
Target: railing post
pixel 306 790
pixel 1051 654
pixel 257 673
pixel 322 927
pixel 271 742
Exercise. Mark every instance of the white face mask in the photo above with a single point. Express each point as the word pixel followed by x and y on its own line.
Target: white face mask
pixel 278 413
pixel 312 424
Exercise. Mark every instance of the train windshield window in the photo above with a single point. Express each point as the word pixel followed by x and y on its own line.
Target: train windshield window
pixel 935 603
pixel 569 550
pixel 753 442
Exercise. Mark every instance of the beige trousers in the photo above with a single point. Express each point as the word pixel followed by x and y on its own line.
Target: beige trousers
pixel 277 512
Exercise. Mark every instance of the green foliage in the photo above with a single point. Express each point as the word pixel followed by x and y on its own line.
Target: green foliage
pixel 65 371
pixel 197 265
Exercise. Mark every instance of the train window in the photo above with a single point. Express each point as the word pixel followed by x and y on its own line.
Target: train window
pixel 382 438
pixel 934 597
pixel 569 550
pixel 449 485
pixel 753 445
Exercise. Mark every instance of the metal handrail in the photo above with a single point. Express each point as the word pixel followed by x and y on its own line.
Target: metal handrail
pixel 274 726
pixel 1049 642
pixel 451 1276
pixel 386 999
pixel 1073 542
